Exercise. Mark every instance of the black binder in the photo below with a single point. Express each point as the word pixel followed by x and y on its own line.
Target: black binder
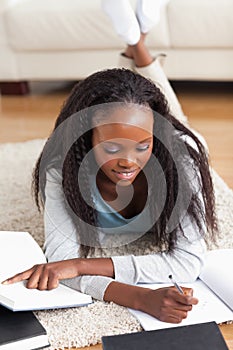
pixel 21 330
pixel 202 336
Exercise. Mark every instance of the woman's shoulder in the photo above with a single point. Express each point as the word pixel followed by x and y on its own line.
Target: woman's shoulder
pixel 53 173
pixel 187 139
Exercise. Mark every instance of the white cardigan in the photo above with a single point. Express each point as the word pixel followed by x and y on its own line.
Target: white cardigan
pixel 137 265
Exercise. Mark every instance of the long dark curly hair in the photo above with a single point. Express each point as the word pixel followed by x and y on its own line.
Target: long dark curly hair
pixel 124 86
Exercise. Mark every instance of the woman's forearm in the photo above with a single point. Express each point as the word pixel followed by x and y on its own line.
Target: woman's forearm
pixel 126 295
pixel 166 304
pixel 96 266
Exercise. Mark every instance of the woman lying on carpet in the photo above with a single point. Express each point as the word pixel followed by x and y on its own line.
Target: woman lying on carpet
pixel 127 197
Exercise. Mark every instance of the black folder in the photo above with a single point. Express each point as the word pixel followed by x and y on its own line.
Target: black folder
pixel 21 330
pixel 202 336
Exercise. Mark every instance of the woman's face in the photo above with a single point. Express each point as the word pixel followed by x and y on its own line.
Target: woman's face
pixel 121 149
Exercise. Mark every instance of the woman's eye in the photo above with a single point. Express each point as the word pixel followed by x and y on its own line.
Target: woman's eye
pixel 111 150
pixel 143 148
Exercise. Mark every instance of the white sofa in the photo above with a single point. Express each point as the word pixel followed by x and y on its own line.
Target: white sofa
pixel 69 39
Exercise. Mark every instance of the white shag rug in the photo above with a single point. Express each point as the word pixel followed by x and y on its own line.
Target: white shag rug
pixel 86 325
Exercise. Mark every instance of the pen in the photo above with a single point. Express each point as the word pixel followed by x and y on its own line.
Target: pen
pixel 176 285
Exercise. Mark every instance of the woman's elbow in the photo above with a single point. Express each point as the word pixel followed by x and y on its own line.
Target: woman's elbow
pixel 192 270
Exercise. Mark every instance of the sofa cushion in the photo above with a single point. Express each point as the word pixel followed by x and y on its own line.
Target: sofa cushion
pixel 201 23
pixel 65 25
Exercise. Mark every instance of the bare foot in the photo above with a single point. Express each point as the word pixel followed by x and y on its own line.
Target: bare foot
pixel 140 53
pixel 128 52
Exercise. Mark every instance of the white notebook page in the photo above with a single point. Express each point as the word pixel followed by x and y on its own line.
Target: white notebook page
pixel 209 308
pixel 18 252
pixel 214 290
pixel 217 274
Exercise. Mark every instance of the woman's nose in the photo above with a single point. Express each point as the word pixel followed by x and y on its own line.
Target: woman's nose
pixel 126 162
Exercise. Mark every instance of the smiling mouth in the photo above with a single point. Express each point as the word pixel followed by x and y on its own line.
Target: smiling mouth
pixel 125 175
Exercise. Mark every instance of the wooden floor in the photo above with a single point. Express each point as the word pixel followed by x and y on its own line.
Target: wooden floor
pixel 209 107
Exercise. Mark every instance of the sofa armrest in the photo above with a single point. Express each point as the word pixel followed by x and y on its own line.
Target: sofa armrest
pixel 4 4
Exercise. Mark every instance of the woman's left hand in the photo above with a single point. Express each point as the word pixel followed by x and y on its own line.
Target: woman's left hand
pixel 46 276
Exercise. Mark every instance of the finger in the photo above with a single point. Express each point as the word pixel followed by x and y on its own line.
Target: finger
pixel 53 282
pixel 194 301
pixel 183 307
pixel 187 291
pixel 177 317
pixel 180 315
pixel 184 299
pixel 19 277
pixel 43 279
pixel 172 318
pixel 47 279
pixel 35 277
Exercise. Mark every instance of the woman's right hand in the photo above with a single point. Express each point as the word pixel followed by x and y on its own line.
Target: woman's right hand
pixel 46 276
pixel 167 304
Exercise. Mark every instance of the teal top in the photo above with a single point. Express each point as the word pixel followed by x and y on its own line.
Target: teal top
pixel 111 222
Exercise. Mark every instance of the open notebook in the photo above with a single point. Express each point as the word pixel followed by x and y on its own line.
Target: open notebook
pixel 18 252
pixel 213 288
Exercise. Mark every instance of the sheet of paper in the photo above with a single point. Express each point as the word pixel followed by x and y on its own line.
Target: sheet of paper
pixel 18 252
pixel 217 274
pixel 209 308
pixel 34 299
